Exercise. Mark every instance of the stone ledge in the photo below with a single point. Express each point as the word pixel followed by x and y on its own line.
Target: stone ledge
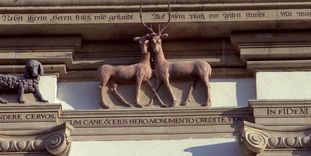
pixel 137 124
pixel 276 113
pixel 279 65
pixel 63 3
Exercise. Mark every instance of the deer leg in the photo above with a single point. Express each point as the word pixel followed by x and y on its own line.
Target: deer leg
pixel 102 85
pixel 102 90
pixel 194 82
pixel 118 95
pixel 3 101
pixel 208 102
pixel 155 94
pixel 157 86
pixel 138 85
pixel 168 86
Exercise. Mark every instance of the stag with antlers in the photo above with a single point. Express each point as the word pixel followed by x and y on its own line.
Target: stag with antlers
pixel 165 71
pixel 139 73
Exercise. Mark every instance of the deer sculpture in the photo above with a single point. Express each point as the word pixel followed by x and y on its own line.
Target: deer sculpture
pixel 165 71
pixel 139 73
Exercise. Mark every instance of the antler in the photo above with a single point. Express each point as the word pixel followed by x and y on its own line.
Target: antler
pixel 141 18
pixel 169 18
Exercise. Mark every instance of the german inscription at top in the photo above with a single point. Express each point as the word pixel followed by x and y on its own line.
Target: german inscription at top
pixel 154 17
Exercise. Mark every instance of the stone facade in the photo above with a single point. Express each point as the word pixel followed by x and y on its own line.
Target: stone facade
pixel 259 52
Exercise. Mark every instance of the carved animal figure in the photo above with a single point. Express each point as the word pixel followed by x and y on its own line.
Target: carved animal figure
pixel 164 70
pixel 139 73
pixel 29 82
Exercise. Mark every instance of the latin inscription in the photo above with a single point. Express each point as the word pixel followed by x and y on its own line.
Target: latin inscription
pixel 7 117
pixel 133 17
pixel 287 111
pixel 156 121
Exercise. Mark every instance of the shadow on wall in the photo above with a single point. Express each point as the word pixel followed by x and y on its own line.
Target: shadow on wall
pixel 232 92
pixel 222 149
pixel 78 95
pixel 224 93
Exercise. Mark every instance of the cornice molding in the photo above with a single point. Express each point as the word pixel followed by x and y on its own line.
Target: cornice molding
pixel 274 51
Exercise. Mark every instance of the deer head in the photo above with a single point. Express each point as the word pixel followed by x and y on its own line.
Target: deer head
pixel 155 38
pixel 143 43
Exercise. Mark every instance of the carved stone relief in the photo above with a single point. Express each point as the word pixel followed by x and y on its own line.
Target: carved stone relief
pixel 55 140
pixel 260 139
pixel 164 71
pixel 139 73
pixel 29 82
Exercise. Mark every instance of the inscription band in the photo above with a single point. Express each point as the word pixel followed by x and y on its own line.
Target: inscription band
pixel 155 17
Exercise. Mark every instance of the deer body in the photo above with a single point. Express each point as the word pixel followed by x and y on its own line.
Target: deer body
pixel 139 73
pixel 165 71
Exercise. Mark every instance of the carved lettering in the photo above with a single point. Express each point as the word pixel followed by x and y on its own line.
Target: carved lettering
pixel 61 18
pixel 197 16
pixel 26 116
pixel 258 14
pixel 84 17
pixel 155 17
pixel 287 111
pixel 120 17
pixel 178 16
pixel 157 121
pixel 40 116
pixel 213 15
pixel 286 13
pixel 12 18
pixel 301 13
pixel 35 18
pixel 100 17
pixel 10 116
pixel 231 15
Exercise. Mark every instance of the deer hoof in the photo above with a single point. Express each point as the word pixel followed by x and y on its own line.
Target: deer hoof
pixel 185 103
pixel 105 107
pixel 139 105
pixel 206 105
pixel 3 101
pixel 174 103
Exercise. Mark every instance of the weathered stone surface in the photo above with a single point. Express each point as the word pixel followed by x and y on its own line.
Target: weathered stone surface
pixel 128 124
pixel 280 113
pixel 264 140
pixel 54 141
pixel 283 85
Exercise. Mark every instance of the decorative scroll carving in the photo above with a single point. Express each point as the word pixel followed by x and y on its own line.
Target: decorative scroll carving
pixel 256 141
pixel 257 138
pixel 27 83
pixel 55 141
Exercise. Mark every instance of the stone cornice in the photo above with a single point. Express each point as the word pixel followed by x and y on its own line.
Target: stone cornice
pixel 63 3
pixel 274 51
pixel 128 124
pixel 155 7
